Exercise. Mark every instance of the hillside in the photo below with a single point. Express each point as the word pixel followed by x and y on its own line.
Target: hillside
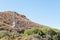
pixel 22 22
pixel 24 29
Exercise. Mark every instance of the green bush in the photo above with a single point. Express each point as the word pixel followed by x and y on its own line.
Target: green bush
pixel 15 34
pixel 42 33
pixel 32 31
pixel 48 31
pixel 55 37
pixel 4 33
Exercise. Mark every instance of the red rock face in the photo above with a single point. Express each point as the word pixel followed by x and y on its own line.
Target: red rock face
pixel 22 22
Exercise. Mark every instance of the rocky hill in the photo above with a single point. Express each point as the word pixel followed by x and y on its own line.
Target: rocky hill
pixel 24 29
pixel 22 22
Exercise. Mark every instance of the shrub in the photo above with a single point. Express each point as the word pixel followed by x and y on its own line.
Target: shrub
pixel 4 33
pixel 15 34
pixel 48 31
pixel 6 38
pixel 12 35
pixel 55 37
pixel 33 31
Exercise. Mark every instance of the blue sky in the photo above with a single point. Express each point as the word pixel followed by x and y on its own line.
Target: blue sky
pixel 46 12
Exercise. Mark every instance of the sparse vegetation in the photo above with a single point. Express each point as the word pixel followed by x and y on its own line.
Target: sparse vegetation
pixel 31 34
